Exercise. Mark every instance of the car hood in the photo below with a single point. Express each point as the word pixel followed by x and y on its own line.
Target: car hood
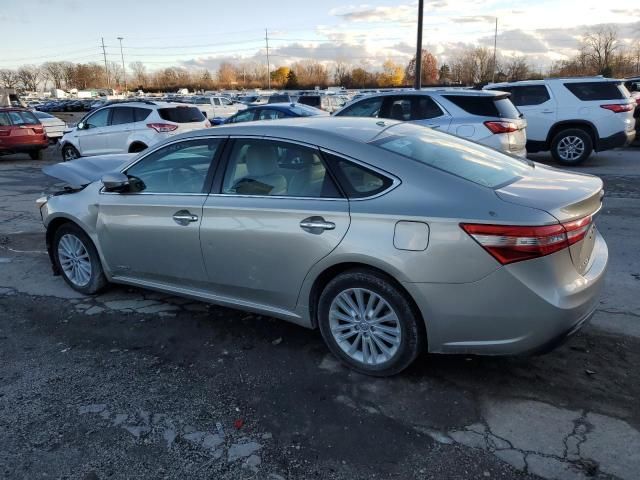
pixel 84 171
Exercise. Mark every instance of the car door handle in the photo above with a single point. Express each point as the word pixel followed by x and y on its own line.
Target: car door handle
pixel 316 223
pixel 184 217
pixel 547 111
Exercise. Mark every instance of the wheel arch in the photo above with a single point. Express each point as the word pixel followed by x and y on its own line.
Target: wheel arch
pixel 52 227
pixel 136 143
pixel 585 125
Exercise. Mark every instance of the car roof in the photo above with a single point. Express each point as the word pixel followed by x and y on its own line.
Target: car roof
pixel 554 80
pixel 317 129
pixel 14 109
pixel 436 90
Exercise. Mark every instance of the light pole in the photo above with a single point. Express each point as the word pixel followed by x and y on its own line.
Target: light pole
pixel 418 70
pixel 124 72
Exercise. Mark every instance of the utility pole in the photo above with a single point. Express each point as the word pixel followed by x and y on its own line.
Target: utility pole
pixel 106 69
pixel 417 82
pixel 124 72
pixel 495 44
pixel 266 38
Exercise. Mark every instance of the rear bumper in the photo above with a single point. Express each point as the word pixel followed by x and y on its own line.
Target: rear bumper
pixel 522 308
pixel 616 140
pixel 35 144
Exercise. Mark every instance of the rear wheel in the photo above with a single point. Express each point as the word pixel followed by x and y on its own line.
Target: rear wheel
pixel 69 152
pixel 369 323
pixel 77 259
pixel 35 154
pixel 572 146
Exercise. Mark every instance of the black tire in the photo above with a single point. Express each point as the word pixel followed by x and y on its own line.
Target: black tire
pixel 137 148
pixel 97 280
pixel 69 152
pixel 413 335
pixel 35 154
pixel 565 136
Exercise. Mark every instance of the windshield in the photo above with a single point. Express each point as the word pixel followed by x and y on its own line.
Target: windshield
pixel 473 162
pixel 306 110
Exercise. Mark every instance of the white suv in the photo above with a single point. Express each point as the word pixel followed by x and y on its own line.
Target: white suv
pixel 129 127
pixel 571 117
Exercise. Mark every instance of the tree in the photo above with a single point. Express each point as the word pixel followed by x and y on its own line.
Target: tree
pixel 227 74
pixel 292 81
pixel 341 75
pixel 311 73
pixel 9 78
pixel 429 75
pixel 600 46
pixel 359 77
pixel 444 74
pixel 30 76
pixel 54 72
pixel 138 73
pixel 279 75
pixel 517 69
pixel 392 74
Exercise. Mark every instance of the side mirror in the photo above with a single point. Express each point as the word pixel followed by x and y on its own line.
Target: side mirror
pixel 115 182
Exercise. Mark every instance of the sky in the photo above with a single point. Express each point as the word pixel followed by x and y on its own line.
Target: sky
pixel 203 33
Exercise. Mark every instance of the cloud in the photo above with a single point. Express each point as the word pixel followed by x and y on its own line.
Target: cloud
pixel 366 13
pixel 516 40
pixel 474 19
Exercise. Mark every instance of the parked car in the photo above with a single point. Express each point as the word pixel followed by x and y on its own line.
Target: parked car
pixel 217 107
pixel 129 127
pixel 274 111
pixel 21 132
pixel 488 118
pixel 53 126
pixel 328 103
pixel 279 98
pixel 572 117
pixel 352 225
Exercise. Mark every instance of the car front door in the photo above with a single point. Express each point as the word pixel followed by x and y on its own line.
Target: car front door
pixel 277 212
pixel 92 137
pixel 538 108
pixel 150 233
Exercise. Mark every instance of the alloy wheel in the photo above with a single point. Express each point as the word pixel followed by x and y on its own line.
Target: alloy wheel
pixel 74 260
pixel 70 154
pixel 365 326
pixel 571 148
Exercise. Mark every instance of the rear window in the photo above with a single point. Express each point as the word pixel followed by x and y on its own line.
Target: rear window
pixel 588 91
pixel 485 106
pixel 476 163
pixel 181 114
pixel 4 120
pixel 314 101
pixel 29 118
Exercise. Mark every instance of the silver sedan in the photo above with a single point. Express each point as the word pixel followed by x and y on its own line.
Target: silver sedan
pixel 389 237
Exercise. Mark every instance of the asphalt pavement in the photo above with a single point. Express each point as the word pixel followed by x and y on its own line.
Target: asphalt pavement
pixel 136 384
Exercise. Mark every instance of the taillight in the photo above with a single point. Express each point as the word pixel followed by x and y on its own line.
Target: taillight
pixel 509 244
pixel 618 108
pixel 501 127
pixel 162 127
pixel 207 123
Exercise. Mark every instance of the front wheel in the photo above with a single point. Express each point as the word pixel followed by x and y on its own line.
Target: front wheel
pixel 571 147
pixel 69 152
pixel 369 323
pixel 77 259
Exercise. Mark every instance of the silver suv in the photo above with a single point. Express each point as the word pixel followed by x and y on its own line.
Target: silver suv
pixel 488 118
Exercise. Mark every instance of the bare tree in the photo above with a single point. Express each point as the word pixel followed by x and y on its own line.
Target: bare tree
pixel 53 71
pixel 9 78
pixel 139 73
pixel 600 46
pixel 30 77
pixel 517 69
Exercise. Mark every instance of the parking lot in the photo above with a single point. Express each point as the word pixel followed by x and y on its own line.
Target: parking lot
pixel 136 384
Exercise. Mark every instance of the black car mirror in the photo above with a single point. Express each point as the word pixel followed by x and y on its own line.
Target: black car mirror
pixel 115 182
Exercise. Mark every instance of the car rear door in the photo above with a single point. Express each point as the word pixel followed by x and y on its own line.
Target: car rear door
pixel 275 213
pixel 420 109
pixel 120 128
pixel 150 233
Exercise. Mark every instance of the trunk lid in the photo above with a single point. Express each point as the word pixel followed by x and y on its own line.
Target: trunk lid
pixel 81 172
pixel 565 195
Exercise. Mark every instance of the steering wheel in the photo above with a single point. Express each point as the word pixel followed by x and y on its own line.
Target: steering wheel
pixel 181 177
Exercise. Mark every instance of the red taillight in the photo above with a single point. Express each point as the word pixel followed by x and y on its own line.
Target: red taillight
pixel 618 108
pixel 509 244
pixel 162 127
pixel 501 127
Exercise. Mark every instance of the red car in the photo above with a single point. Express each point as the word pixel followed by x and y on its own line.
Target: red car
pixel 21 132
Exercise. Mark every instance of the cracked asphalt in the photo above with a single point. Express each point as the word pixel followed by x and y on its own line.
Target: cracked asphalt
pixel 137 384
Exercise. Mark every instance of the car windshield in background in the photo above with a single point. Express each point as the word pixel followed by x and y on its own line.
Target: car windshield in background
pixel 589 91
pixel 472 162
pixel 306 110
pixel 181 114
pixel 485 106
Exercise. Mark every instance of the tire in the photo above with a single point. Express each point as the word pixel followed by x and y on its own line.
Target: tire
pixel 571 147
pixel 137 148
pixel 405 325
pixel 69 152
pixel 36 154
pixel 70 238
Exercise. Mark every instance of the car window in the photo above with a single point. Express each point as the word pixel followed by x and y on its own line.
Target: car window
pixel 226 101
pixel 181 114
pixel 270 114
pixel 216 101
pixel 485 105
pixel 272 168
pixel 98 119
pixel 414 107
pixel 473 162
pixel 369 107
pixel 29 118
pixel 589 91
pixel 121 115
pixel 243 116
pixel 140 114
pixel 528 95
pixel 4 119
pixel 356 180
pixel 16 118
pixel 177 168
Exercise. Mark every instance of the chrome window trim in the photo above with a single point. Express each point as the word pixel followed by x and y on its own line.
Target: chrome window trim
pixel 280 197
